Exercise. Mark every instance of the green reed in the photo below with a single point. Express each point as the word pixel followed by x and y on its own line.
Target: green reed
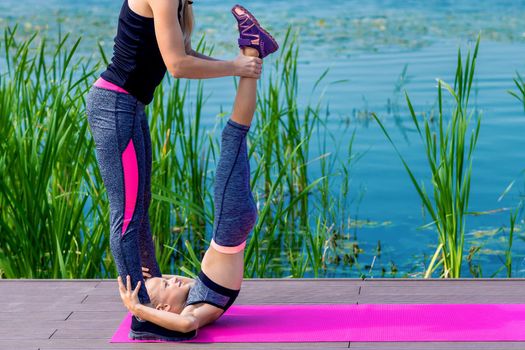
pixel 520 84
pixel 54 217
pixel 508 251
pixel 279 150
pixel 45 185
pixel 449 151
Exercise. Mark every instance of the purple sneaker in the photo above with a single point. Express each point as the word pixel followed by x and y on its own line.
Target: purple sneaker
pixel 251 33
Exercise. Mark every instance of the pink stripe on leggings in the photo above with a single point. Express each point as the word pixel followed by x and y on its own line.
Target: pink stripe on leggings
pixel 131 182
pixel 227 250
pixel 104 84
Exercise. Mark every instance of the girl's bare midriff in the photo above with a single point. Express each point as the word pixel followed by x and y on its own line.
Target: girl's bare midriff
pixel 224 269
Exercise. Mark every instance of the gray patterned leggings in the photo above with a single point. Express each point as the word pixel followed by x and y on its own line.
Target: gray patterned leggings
pixel 120 130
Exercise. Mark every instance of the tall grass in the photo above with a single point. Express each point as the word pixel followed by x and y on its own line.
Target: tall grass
pixel 46 190
pixel 520 94
pixel 449 151
pixel 54 217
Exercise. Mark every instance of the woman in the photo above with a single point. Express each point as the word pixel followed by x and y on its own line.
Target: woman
pixel 153 37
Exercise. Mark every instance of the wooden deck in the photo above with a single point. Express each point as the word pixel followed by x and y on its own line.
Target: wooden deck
pixel 84 314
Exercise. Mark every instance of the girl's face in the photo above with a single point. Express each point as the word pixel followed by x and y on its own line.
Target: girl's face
pixel 169 294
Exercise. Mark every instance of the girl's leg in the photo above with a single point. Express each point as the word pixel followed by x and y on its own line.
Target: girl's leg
pixel 115 126
pixel 147 248
pixel 235 208
pixel 245 100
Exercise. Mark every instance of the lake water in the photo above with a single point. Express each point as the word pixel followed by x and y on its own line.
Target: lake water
pixel 368 44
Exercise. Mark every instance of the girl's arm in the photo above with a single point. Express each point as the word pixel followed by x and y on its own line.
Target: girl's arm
pixel 163 318
pixel 181 65
pixel 146 274
pixel 166 319
pixel 185 279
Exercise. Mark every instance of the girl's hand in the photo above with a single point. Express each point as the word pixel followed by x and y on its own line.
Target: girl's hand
pixel 129 298
pixel 145 272
pixel 247 66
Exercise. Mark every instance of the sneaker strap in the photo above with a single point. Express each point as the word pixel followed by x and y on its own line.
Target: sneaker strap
pixel 244 42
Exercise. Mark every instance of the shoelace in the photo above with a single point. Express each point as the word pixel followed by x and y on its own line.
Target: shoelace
pixel 245 26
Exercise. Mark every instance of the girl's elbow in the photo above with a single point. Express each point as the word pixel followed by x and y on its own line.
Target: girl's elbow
pixel 191 324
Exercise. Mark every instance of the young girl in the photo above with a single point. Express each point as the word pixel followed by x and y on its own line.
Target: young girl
pixel 153 37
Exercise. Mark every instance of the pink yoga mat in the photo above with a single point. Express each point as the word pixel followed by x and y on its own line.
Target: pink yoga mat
pixel 363 322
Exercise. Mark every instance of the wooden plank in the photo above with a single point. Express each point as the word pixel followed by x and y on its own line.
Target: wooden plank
pixel 48 306
pixel 436 345
pixel 511 283
pixel 93 323
pixel 247 299
pixel 492 290
pixel 272 292
pixel 93 309
pixel 84 333
pixel 95 315
pixel 50 283
pixel 20 344
pixel 14 333
pixel 36 300
pixel 112 283
pixel 54 280
pixel 74 344
pixel 441 299
pixel 99 306
pixel 53 315
pixel 462 279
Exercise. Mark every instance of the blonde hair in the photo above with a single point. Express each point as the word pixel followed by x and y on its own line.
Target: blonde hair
pixel 188 22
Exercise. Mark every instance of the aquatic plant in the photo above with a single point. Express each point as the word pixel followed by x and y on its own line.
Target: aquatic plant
pixel 54 217
pixel 448 151
pixel 47 196
pixel 520 84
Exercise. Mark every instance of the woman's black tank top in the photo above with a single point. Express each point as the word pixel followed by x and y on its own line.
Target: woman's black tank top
pixel 136 65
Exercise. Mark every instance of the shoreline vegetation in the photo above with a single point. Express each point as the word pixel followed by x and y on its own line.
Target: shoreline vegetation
pixel 54 209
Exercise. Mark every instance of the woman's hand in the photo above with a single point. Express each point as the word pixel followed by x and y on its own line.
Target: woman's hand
pixel 247 66
pixel 129 298
pixel 145 272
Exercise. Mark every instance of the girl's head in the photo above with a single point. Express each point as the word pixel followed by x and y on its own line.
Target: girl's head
pixel 188 21
pixel 168 294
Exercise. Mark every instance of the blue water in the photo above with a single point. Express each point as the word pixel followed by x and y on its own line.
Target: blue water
pixel 368 45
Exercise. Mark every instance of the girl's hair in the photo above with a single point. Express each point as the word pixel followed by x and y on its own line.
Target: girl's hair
pixel 188 22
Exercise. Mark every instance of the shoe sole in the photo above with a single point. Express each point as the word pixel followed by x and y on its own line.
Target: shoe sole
pixel 150 336
pixel 254 20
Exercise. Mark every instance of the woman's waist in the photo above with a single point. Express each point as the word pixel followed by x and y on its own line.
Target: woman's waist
pixel 104 84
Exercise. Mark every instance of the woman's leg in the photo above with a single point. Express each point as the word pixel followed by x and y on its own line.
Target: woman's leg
pixel 115 126
pixel 235 209
pixel 147 248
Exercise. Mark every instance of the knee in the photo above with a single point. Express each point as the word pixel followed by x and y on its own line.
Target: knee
pixel 232 231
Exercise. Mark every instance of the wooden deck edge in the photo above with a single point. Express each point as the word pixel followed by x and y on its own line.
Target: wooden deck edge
pixel 11 280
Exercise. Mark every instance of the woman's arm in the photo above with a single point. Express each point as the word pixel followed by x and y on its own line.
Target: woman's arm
pixel 171 44
pixel 194 53
pixel 200 55
pixel 181 65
